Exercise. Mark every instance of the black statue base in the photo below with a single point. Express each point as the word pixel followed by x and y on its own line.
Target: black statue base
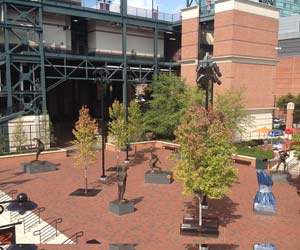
pixel 196 230
pixel 119 207
pixel 81 192
pixel 264 212
pixel 121 247
pixel 158 177
pixel 37 167
pixel 280 176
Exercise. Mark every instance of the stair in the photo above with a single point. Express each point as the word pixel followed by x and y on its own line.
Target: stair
pixel 28 237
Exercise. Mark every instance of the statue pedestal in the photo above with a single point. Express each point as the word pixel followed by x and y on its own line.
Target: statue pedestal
pixel 158 177
pixel 119 208
pixel 37 167
pixel 196 230
pixel 121 247
pixel 280 176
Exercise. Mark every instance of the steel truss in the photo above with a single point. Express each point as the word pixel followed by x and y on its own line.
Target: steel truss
pixel 59 71
pixel 23 83
pixel 190 2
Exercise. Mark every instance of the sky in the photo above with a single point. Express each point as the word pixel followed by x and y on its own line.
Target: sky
pixel 168 6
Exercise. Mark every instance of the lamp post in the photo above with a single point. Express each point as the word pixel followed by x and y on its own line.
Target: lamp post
pixel 102 79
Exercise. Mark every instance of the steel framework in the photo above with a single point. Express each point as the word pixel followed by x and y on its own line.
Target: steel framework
pixel 23 83
pixel 25 67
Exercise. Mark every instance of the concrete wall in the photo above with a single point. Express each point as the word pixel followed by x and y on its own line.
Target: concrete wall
pixel 107 38
pixel 55 31
pixel 258 118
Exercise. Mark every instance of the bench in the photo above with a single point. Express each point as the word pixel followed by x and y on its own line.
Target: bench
pixel 173 148
pixel 242 162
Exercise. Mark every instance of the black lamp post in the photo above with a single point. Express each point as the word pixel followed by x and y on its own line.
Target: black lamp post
pixel 101 77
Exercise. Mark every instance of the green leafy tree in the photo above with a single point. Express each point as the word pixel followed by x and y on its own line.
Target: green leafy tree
pixel 231 104
pixel 118 129
pixel 296 138
pixel 85 130
pixel 135 122
pixel 46 130
pixel 205 167
pixel 136 128
pixel 19 136
pixel 167 104
pixel 282 101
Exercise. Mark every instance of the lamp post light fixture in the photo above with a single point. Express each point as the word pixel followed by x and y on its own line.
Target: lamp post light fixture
pixel 102 78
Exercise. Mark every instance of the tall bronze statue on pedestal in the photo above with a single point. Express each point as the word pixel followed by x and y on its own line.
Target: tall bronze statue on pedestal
pixel 40 147
pixel 121 180
pixel 283 155
pixel 153 161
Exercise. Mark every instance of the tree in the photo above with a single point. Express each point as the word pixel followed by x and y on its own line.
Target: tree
pixel 118 130
pixel 136 128
pixel 282 101
pixel 135 122
pixel 296 138
pixel 84 132
pixel 168 100
pixel 231 103
pixel 19 136
pixel 206 149
pixel 46 130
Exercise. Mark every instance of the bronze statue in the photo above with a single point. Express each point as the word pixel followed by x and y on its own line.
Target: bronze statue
pixel 154 159
pixel 283 155
pixel 40 147
pixel 121 180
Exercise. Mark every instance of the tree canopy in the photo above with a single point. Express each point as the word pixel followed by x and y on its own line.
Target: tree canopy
pixel 170 97
pixel 205 165
pixel 231 104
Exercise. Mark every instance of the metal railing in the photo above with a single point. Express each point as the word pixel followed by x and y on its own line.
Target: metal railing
pixel 31 219
pixel 107 6
pixel 4 196
pixel 73 238
pixel 19 138
pixel 13 215
pixel 48 231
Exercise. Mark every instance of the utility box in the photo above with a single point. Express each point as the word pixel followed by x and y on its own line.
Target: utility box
pixel 261 163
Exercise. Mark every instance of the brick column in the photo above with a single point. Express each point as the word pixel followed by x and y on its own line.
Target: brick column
pixel 190 44
pixel 289 115
pixel 246 37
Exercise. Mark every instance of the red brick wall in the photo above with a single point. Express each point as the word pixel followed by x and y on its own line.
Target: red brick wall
pixel 242 35
pixel 245 34
pixel 287 76
pixel 189 48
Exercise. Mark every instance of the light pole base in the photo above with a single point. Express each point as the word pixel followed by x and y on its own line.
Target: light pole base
pixel 103 178
pixel 127 161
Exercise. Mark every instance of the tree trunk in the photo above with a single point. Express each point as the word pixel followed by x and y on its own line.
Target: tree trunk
pixel 200 209
pixel 86 183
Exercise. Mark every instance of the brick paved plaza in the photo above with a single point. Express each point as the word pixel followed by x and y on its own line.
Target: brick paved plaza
pixel 159 208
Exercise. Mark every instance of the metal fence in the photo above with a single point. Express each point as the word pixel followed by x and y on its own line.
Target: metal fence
pixel 20 138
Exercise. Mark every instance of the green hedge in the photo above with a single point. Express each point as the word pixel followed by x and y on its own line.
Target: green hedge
pixel 254 152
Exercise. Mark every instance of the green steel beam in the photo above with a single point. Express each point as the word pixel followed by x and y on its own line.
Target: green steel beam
pixel 23 2
pixel 42 63
pixel 73 10
pixel 111 59
pixel 155 45
pixel 7 63
pixel 124 55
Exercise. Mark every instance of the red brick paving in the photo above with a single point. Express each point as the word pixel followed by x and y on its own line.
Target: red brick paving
pixel 159 208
